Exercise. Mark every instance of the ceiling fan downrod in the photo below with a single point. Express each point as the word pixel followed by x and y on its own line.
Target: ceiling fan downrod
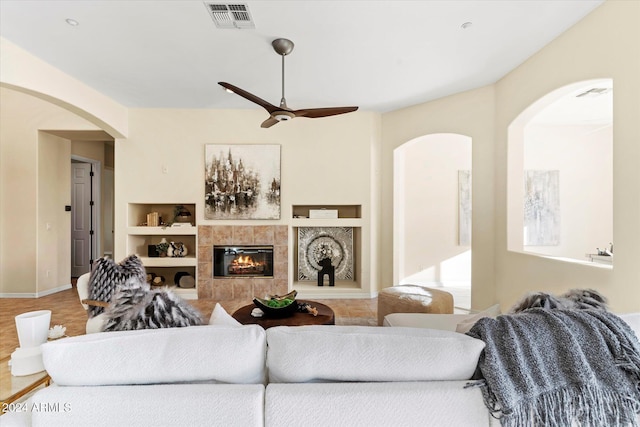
pixel 283 47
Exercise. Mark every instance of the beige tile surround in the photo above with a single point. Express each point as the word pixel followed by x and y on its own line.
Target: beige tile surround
pixel 245 288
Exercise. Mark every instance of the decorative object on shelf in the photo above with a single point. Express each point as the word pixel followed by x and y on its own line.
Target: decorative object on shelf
pixel 163 247
pixel 541 208
pixel 33 330
pixel 177 250
pixel 58 331
pixel 318 243
pixel 327 270
pixel 242 182
pixel 181 214
pixel 153 219
pixel 158 281
pixel 323 213
pixel 152 252
pixel 464 207
pixel 182 279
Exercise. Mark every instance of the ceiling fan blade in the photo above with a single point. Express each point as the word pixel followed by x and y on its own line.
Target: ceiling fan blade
pixel 269 122
pixel 323 112
pixel 249 96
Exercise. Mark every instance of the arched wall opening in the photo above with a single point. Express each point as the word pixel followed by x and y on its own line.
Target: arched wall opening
pixel 560 175
pixel 432 213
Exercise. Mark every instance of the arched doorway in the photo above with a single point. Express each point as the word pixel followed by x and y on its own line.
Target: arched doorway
pixel 432 214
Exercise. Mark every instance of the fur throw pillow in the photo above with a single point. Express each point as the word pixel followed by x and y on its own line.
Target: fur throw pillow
pixel 136 306
pixel 107 276
pixel 578 299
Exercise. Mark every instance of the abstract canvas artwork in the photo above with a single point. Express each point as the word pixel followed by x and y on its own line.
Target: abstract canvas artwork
pixel 541 208
pixel 242 182
pixel 464 207
pixel 317 243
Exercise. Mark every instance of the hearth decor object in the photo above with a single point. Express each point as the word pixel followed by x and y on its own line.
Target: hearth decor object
pixel 278 306
pixel 316 244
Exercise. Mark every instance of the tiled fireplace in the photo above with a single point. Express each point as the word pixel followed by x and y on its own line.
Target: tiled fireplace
pixel 238 287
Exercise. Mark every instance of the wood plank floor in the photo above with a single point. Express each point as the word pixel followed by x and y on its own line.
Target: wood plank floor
pixel 66 310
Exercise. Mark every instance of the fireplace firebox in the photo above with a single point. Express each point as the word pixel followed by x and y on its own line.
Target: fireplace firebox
pixel 242 261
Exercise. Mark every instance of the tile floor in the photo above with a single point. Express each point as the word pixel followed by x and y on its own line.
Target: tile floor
pixel 67 311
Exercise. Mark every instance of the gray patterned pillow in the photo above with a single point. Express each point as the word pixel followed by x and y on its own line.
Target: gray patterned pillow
pixel 107 277
pixel 135 306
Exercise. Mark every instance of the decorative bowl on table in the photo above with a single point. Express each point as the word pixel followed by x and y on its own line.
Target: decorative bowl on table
pixel 278 306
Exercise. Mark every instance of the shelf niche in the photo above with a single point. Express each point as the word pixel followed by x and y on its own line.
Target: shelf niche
pixel 140 236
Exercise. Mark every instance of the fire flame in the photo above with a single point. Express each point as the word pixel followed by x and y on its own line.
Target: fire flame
pixel 244 260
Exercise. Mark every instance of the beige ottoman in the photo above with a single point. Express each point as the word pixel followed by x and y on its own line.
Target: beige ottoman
pixel 413 299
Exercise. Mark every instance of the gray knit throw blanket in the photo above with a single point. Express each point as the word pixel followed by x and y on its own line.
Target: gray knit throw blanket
pixel 551 367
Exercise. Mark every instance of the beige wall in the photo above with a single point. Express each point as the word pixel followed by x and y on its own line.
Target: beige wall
pixel 324 162
pixel 583 155
pixel 470 114
pixel 605 44
pixel 349 159
pixel 53 222
pixel 31 193
pixel 426 204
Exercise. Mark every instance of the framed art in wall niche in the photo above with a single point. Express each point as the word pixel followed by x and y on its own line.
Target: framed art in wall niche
pixel 541 208
pixel 318 243
pixel 464 207
pixel 242 181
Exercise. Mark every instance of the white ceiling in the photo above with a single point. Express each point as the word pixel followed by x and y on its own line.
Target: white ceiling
pixel 379 55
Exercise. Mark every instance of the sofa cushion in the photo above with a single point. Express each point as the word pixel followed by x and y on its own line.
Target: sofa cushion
pixel 219 316
pixel 198 353
pixel 465 325
pixel 149 405
pixel 419 404
pixel 369 353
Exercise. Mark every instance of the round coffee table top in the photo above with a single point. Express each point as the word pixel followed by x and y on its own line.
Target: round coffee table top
pixel 325 317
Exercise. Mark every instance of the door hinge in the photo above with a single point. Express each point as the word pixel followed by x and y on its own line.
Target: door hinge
pixel 91 203
pixel 91 232
pixel 90 262
pixel 91 173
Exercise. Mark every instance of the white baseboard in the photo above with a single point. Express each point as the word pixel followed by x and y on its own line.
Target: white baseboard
pixel 36 294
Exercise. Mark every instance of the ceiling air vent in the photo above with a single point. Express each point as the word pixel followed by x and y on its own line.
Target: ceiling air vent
pixel 230 15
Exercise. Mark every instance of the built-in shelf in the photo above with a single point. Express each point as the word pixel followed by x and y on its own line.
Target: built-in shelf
pixel 162 231
pixel 141 236
pixel 344 211
pixel 344 216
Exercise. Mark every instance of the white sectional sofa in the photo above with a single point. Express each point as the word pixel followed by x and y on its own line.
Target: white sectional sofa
pixel 220 375
pixel 245 376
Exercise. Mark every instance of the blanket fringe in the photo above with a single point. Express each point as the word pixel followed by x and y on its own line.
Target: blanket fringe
pixel 587 406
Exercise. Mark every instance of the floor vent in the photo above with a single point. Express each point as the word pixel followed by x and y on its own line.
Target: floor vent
pixel 230 15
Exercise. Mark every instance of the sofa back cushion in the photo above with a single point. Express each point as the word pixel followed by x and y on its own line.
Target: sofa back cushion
pixel 366 353
pixel 192 354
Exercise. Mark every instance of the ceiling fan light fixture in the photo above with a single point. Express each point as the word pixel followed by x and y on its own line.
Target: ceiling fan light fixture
pixel 283 116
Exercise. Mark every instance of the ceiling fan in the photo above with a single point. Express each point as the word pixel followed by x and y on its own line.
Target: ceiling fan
pixel 282 113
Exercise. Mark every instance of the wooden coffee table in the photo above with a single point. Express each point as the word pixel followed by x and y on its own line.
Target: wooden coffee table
pixel 325 317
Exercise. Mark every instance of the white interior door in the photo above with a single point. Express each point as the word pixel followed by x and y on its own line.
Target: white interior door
pixel 81 242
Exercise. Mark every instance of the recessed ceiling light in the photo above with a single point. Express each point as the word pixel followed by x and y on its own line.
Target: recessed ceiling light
pixel 466 25
pixel 72 22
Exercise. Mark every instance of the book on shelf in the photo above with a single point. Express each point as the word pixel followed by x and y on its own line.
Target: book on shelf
pixel 153 219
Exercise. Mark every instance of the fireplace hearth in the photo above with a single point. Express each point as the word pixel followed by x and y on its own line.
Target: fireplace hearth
pixel 242 261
